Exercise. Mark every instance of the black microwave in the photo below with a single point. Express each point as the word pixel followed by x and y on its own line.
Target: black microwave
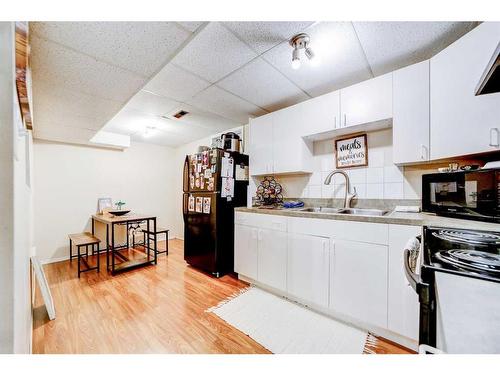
pixel 473 195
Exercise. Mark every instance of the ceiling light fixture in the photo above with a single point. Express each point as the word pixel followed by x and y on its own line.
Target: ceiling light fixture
pixel 149 131
pixel 298 42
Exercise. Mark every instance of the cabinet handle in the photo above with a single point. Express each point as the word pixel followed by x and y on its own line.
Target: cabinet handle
pixel 259 236
pixel 423 152
pixel 335 122
pixel 494 142
pixel 345 120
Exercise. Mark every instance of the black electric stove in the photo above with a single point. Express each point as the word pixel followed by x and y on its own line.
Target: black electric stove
pixel 473 256
pixel 462 251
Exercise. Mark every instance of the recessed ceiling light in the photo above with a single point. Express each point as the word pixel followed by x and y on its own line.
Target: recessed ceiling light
pixel 298 42
pixel 149 131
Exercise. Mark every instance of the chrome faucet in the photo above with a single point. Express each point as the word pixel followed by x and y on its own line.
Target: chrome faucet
pixel 348 194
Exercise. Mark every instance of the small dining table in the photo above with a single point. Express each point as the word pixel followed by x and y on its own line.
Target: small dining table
pixel 112 249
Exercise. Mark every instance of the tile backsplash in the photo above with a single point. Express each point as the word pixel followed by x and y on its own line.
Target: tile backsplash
pixel 381 179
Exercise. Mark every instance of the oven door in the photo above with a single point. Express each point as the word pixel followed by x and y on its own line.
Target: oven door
pixel 466 195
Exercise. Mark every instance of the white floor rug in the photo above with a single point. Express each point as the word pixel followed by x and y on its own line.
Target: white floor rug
pixel 285 327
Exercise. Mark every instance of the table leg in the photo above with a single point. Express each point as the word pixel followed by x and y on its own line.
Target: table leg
pixel 93 233
pixel 107 247
pixel 147 236
pixel 155 241
pixel 112 247
pixel 128 244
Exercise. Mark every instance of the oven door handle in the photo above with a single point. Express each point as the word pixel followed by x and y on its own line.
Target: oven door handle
pixel 411 276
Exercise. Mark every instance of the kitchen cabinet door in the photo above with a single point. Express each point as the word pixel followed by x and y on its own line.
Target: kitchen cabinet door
pixel 260 145
pixel 359 281
pixel 291 153
pixel 272 258
pixel 411 114
pixel 321 114
pixel 366 102
pixel 403 306
pixel 245 250
pixel 308 268
pixel 462 123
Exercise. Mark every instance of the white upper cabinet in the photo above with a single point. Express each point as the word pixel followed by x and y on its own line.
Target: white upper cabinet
pixel 359 281
pixel 321 114
pixel 291 153
pixel 308 268
pixel 366 102
pixel 260 145
pixel 462 123
pixel 411 114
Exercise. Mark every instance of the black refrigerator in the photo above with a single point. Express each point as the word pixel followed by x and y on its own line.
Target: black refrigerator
pixel 214 183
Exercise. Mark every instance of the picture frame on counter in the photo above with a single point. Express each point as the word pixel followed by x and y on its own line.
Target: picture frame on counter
pixel 351 151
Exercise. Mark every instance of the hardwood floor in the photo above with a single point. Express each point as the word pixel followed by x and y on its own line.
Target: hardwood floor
pixel 149 310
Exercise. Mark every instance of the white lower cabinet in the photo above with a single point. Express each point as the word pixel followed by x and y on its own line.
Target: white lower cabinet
pixel 245 250
pixel 308 268
pixel 403 306
pixel 352 269
pixel 272 255
pixel 359 281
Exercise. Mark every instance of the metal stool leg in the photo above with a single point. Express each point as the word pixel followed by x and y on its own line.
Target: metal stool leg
pixel 70 250
pixel 166 242
pixel 98 260
pixel 79 256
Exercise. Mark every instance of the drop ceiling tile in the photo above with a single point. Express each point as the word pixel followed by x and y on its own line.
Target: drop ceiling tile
pixel 129 121
pixel 140 47
pixel 214 53
pixel 262 36
pixel 191 25
pixel 161 138
pixel 152 104
pixel 393 45
pixel 341 61
pixel 223 103
pixel 79 72
pixel 176 83
pixel 259 83
pixel 54 99
pixel 63 134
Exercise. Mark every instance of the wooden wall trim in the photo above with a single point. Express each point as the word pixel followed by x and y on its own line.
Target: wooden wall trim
pixel 22 69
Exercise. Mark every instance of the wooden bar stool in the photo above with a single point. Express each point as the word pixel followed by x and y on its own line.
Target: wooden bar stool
pixel 80 240
pixel 147 238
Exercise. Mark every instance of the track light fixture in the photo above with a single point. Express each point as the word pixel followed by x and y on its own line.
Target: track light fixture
pixel 298 42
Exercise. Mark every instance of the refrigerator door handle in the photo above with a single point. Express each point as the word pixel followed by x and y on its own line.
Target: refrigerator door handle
pixel 185 204
pixel 185 179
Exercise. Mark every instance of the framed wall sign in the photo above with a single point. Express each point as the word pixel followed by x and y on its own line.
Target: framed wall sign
pixel 352 151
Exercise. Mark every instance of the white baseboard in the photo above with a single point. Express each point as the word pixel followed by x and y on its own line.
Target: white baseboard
pixel 64 258
pixel 54 260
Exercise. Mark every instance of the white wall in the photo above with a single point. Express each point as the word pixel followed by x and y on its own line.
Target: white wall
pixel 6 190
pixel 16 208
pixel 70 178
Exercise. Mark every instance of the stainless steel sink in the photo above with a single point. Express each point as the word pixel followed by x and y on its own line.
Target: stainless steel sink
pixel 325 210
pixel 345 211
pixel 363 211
